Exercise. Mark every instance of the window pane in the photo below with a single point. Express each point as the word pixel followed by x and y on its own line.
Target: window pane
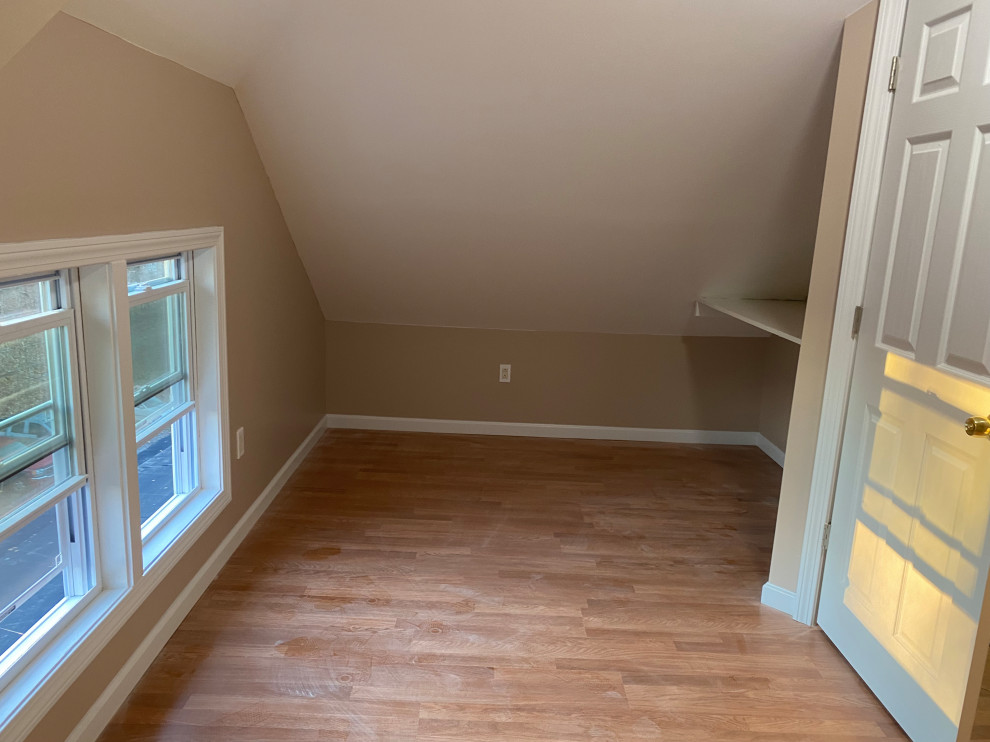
pixel 19 300
pixel 142 276
pixel 28 555
pixel 40 565
pixel 29 483
pixel 24 618
pixel 158 339
pixel 32 417
pixel 159 405
pixel 166 466
pixel 30 378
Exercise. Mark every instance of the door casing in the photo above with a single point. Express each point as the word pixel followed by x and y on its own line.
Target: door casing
pixel 852 285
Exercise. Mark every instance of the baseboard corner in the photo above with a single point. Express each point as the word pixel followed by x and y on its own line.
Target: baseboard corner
pixel 773 451
pixel 779 599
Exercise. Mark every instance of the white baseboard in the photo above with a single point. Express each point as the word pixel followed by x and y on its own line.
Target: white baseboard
pixel 779 598
pixel 775 453
pixel 100 713
pixel 542 430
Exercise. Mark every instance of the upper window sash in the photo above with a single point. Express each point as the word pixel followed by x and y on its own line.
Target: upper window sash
pixel 47 296
pixel 16 329
pixel 153 293
pixel 181 348
pixel 52 315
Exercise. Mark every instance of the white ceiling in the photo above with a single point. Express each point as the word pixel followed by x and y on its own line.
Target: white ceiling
pixel 529 164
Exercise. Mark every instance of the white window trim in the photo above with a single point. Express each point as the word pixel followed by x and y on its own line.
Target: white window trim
pixel 67 650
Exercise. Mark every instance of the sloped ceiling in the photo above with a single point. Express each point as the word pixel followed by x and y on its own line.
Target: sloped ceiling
pixel 527 164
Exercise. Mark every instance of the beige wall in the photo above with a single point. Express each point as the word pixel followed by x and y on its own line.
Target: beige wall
pixel 779 370
pixel 857 47
pixel 557 377
pixel 98 137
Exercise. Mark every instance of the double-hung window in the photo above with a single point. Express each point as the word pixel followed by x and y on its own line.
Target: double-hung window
pixel 46 533
pixel 113 438
pixel 164 390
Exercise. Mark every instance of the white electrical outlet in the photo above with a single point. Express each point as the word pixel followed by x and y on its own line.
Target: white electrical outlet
pixel 240 442
pixel 505 373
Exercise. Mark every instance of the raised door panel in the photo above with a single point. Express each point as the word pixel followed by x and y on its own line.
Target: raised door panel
pixel 966 337
pixel 918 199
pixel 943 50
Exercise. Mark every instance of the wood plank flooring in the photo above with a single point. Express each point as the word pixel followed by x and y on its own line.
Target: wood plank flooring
pixel 981 725
pixel 430 587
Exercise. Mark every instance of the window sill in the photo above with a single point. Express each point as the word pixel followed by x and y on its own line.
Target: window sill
pixel 166 545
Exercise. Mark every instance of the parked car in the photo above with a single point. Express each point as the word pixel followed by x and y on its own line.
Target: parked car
pixel 34 428
pixel 38 471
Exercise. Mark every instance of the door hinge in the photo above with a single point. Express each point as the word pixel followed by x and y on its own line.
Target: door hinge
pixel 892 82
pixel 825 536
pixel 857 321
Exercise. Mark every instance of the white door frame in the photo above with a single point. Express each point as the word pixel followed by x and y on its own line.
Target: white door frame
pixel 852 284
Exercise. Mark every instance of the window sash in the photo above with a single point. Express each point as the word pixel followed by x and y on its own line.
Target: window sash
pixel 64 381
pixel 73 563
pixel 181 344
pixel 185 468
pixel 49 300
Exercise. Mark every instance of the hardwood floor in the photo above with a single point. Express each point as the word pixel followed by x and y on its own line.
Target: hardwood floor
pixel 981 726
pixel 430 587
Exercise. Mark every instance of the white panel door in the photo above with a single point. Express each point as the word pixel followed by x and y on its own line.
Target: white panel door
pixel 906 570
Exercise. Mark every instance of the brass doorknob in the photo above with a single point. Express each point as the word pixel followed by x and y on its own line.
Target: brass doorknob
pixel 978 427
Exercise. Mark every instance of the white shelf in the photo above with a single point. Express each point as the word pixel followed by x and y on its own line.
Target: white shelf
pixel 780 317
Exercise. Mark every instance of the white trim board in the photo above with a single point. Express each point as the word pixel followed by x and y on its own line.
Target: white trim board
pixel 852 285
pixel 774 452
pixel 779 599
pixel 544 430
pixel 92 724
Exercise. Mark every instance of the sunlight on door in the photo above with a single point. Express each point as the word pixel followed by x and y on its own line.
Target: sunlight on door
pixel 921 527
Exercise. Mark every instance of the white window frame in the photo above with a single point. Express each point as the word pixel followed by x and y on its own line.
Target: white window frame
pixel 160 530
pixel 128 566
pixel 77 480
